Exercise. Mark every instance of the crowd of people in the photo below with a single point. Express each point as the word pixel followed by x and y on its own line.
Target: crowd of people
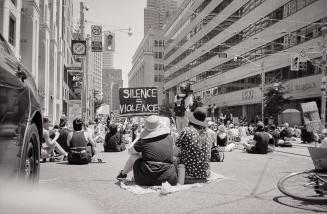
pixel 162 149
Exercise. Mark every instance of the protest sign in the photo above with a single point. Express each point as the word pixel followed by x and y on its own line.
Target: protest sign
pixel 138 101
pixel 311 116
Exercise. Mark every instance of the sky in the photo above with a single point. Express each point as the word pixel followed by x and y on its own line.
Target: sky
pixel 114 15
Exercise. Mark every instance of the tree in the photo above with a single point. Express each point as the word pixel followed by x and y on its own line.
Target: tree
pixel 275 99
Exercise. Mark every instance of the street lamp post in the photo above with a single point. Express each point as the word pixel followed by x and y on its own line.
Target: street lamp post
pixel 261 66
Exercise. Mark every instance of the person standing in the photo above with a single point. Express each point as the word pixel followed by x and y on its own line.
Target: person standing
pixel 183 102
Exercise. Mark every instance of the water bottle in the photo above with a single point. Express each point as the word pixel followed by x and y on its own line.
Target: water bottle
pixel 181 173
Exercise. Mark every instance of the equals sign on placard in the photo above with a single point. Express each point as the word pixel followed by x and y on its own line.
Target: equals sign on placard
pixel 139 100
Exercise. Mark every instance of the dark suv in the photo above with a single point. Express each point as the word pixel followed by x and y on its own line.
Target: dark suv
pixel 20 119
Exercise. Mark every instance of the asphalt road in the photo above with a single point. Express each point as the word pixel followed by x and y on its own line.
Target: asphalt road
pixel 249 186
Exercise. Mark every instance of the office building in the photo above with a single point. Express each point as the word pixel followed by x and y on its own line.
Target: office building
pixel 147 63
pixel 263 35
pixel 111 82
pixel 157 13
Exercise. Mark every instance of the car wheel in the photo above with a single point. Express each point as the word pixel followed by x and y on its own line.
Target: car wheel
pixel 30 167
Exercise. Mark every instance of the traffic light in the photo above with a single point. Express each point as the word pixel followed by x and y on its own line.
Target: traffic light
pixel 303 66
pixel 295 63
pixel 110 44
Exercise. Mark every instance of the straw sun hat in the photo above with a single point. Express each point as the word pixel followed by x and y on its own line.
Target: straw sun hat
pixel 155 126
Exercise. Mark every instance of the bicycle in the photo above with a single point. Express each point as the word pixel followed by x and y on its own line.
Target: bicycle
pixel 309 185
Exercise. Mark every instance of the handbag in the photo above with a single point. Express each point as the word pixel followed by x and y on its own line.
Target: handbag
pixel 216 155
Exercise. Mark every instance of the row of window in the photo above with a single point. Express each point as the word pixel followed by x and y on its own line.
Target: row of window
pixel 310 31
pixel 277 75
pixel 158 55
pixel 159 43
pixel 158 67
pixel 199 26
pixel 245 9
pixel 158 78
pixel 252 29
pixel 185 10
pixel 189 20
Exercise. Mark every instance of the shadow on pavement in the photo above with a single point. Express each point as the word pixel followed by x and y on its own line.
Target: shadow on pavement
pixel 303 205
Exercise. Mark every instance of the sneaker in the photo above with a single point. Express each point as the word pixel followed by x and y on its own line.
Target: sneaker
pixel 121 176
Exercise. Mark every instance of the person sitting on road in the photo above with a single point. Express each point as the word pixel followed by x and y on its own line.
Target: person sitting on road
pixel 307 136
pixel 194 145
pixel 152 159
pixel 51 145
pixel 114 140
pixel 286 134
pixel 222 140
pixel 324 140
pixel 79 138
pixel 275 134
pixel 261 141
pixel 64 131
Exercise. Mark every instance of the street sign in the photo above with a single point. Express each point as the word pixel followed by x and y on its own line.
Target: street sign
pixel 311 116
pixel 79 47
pixel 96 46
pixel 96 38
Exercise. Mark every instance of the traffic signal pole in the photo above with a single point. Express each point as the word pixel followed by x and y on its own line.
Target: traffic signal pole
pixel 323 82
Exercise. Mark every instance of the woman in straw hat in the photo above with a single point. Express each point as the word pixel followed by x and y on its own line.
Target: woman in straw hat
pixel 152 155
pixel 194 145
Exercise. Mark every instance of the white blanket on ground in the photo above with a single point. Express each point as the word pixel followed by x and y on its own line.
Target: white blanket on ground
pixel 166 188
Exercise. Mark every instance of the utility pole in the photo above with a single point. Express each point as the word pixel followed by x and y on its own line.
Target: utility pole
pixel 323 82
pixel 84 67
pixel 263 79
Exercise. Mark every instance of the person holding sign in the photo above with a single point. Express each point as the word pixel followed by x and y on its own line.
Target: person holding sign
pixel 183 102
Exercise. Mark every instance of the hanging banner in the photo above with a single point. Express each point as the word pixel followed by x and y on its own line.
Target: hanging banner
pixel 311 116
pixel 79 47
pixel 96 38
pixel 75 82
pixel 138 101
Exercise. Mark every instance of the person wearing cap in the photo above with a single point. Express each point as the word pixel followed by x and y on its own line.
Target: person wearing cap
pixel 194 145
pixel 151 157
pixel 52 144
pixel 63 131
pixel 261 139
pixel 183 101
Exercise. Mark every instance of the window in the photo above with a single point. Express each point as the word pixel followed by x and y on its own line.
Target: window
pixel 12 30
pixel 155 43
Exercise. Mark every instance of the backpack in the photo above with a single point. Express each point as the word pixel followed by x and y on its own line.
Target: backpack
pixel 217 156
pixel 180 109
pixel 79 155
